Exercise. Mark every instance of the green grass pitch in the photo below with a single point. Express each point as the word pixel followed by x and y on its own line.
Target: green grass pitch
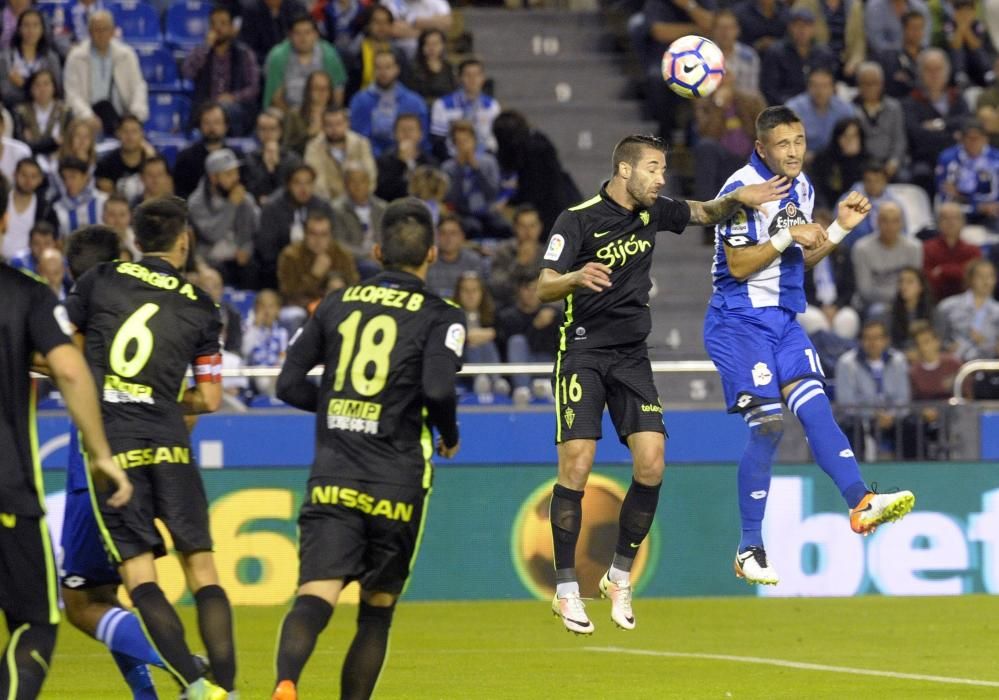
pixel 496 650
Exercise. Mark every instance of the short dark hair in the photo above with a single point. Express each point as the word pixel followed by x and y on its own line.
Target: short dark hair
pixel 297 169
pixel 73 163
pixel 408 115
pixel 319 214
pixel 459 125
pixel 158 222
pixel 27 160
pixel 911 15
pixel 470 62
pixel 128 117
pixel 407 233
pixel 772 117
pixel 822 68
pixel 208 107
pixel 43 228
pixel 523 209
pixel 299 18
pixel 875 165
pixel 219 7
pixel 922 327
pixel 872 322
pixel 89 246
pixel 629 149
pixel 118 198
pixel 152 160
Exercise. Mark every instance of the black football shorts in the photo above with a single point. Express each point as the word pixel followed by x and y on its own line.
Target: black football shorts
pixel 28 586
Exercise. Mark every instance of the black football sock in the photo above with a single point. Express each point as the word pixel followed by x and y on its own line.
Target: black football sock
pixel 637 512
pixel 165 630
pixel 301 628
pixel 215 625
pixel 25 662
pixel 566 514
pixel 366 656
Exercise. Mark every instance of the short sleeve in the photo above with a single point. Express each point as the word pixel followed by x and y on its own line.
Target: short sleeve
pixel 447 338
pixel 740 230
pixel 563 243
pixel 672 214
pixel 48 323
pixel 78 299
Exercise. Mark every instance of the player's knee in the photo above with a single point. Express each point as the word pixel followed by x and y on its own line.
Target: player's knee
pixel 378 599
pixel 574 473
pixel 769 430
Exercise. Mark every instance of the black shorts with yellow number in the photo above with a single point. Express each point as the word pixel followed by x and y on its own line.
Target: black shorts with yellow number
pixel 27 571
pixel 360 531
pixel 166 486
pixel 619 377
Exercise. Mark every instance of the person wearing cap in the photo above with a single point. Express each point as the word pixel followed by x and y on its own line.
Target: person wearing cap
pixel 968 173
pixel 224 216
pixel 785 64
pixel 81 204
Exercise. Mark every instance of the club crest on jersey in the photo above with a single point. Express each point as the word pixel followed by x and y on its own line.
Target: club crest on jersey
pixel 555 246
pixel 787 217
pixel 570 416
pixel 645 217
pixel 762 374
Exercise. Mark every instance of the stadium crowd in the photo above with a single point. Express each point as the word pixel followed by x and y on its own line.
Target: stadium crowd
pixel 288 126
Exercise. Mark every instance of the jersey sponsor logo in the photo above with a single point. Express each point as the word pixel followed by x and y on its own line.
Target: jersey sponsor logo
pixel 454 340
pixel 359 500
pixel 117 390
pixel 148 456
pixel 555 247
pixel 62 318
pixel 618 253
pixel 601 234
pixel 787 217
pixel 353 415
pixel 651 408
pixel 645 217
pixel 761 374
pixel 157 279
pixel 352 425
pixel 386 296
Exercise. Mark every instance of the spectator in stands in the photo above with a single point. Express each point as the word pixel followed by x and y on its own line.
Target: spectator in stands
pixel 265 169
pixel 225 71
pixel 42 122
pixel 156 180
pixel 932 371
pixel 468 103
pixel 79 19
pixel 357 216
pixel 224 217
pixel 874 186
pixel 968 44
pixel 820 109
pixel 10 20
pixel 52 270
pixel 913 304
pixel 933 113
pixel 475 181
pixel 901 65
pixel 340 21
pixel 969 322
pixel 762 23
pixel 725 126
pixel 329 152
pixel 414 16
pixel 190 165
pixel 29 53
pixel 741 61
pixel 878 259
pixel 103 79
pixel 291 62
pixel 788 62
pixel 839 24
pixel 840 164
pixel 395 165
pixel 528 330
pixel 474 299
pixel 432 74
pixel 81 204
pixel 373 111
pixel 989 97
pixel 266 23
pixel 26 205
pixel 265 341
pixel 305 123
pixel 231 338
pixel 530 169
pixel 968 173
pixel 883 22
pixel 518 257
pixel 118 216
pixel 430 186
pixel 453 258
pixel 42 237
pixel 377 36
pixel 880 118
pixel 873 393
pixel 303 267
pixel 282 221
pixel 12 152
pixel 120 169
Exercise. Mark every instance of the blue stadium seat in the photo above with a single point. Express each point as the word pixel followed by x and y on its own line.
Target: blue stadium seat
pixel 139 22
pixel 160 70
pixel 56 13
pixel 187 23
pixel 167 145
pixel 169 113
pixel 241 299
pixel 264 401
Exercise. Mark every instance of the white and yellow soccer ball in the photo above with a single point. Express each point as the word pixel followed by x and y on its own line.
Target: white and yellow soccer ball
pixel 693 66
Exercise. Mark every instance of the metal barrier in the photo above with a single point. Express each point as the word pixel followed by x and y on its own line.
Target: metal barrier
pixel 966 370
pixel 541 368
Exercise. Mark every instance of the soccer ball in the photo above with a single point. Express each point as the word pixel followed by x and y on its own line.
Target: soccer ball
pixel 693 66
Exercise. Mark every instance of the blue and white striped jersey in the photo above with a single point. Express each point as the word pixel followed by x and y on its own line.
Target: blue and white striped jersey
pixel 782 282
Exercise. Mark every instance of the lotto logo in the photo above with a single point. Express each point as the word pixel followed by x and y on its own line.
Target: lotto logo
pixel 744 401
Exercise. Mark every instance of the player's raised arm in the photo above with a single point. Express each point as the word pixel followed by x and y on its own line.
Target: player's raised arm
pixel 753 196
pixel 851 211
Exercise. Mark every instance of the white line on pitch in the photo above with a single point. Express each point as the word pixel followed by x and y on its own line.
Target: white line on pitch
pixel 796 664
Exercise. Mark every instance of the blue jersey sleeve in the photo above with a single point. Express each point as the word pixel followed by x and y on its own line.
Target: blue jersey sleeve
pixel 740 230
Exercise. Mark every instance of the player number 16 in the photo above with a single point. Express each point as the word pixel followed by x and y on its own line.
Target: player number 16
pixel 572 390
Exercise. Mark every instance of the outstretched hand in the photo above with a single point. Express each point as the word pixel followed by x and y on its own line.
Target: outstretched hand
pixel 852 210
pixel 755 196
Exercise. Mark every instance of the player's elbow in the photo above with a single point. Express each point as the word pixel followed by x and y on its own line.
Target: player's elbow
pixel 211 397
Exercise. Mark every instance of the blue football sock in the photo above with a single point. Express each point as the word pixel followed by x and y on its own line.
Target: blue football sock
pixel 832 450
pixel 765 429
pixel 137 675
pixel 122 633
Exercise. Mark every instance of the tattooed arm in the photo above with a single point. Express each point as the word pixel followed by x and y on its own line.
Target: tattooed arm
pixel 753 196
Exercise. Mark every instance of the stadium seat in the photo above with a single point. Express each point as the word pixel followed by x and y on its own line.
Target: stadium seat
pixel 56 14
pixel 264 401
pixel 167 145
pixel 241 299
pixel 138 21
pixel 169 113
pixel 990 9
pixel 916 205
pixel 160 70
pixel 187 23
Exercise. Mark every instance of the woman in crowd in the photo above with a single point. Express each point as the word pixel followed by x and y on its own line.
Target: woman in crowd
pixel 840 164
pixel 475 300
pixel 301 124
pixel 432 75
pixel 969 322
pixel 43 122
pixel 913 303
pixel 29 53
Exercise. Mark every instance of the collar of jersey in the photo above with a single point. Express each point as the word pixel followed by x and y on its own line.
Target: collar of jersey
pixel 158 262
pixel 614 205
pixel 397 278
pixel 764 171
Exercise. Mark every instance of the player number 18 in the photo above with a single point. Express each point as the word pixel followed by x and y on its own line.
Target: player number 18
pixel 377 340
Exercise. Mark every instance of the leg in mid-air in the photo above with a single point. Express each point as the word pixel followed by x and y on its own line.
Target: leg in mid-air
pixel 575 460
pixel 635 521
